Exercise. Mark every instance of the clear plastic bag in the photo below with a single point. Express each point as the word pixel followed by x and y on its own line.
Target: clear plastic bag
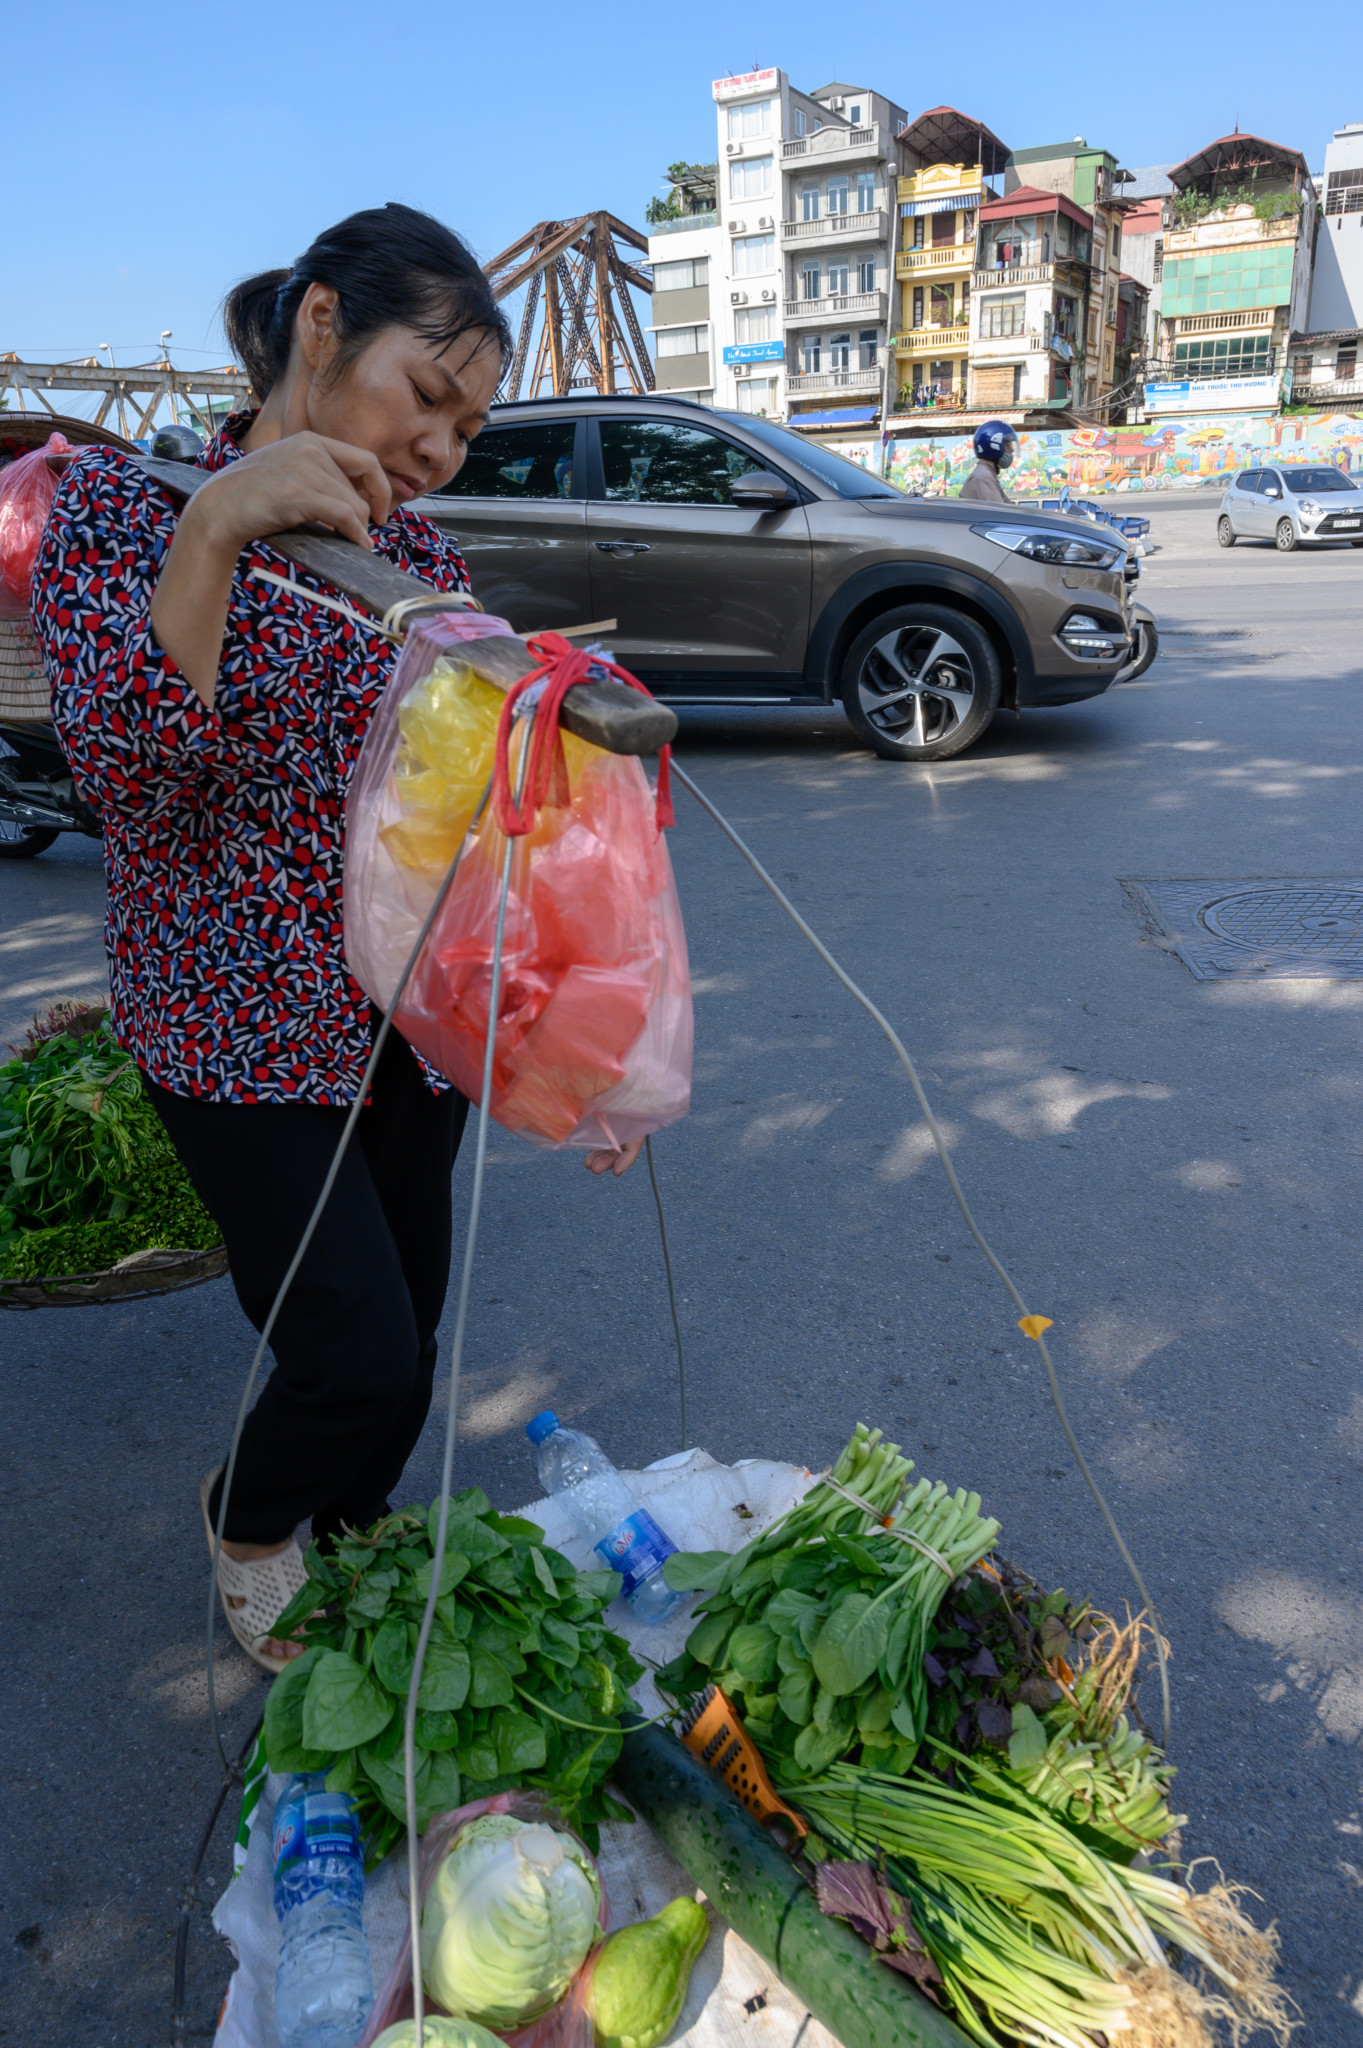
pixel 594 1026
pixel 565 2025
pixel 27 489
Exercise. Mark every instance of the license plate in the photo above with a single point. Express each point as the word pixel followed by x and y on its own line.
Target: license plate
pixel 1340 524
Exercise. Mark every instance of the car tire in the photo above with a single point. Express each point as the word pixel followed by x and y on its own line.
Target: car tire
pixel 22 842
pixel 1285 537
pixel 1146 637
pixel 921 683
pixel 1225 532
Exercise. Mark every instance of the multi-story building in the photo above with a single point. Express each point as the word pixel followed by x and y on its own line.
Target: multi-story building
pixel 684 256
pixel 1092 179
pixel 945 162
pixel 1239 236
pixel 1337 286
pixel 800 297
pixel 1029 303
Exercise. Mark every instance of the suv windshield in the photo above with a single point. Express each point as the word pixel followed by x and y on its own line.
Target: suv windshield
pixel 836 471
pixel 1300 481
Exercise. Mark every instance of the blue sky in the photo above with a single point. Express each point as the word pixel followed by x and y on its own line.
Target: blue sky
pixel 156 163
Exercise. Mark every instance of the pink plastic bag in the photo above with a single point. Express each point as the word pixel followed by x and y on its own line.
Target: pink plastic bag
pixel 565 2025
pixel 27 489
pixel 594 1025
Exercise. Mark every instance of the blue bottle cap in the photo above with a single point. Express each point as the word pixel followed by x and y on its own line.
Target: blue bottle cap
pixel 542 1425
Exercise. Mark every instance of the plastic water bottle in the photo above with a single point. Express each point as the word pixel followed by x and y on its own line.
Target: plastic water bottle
pixel 324 1987
pixel 573 1467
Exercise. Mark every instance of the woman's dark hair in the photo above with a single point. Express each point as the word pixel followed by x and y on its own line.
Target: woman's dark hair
pixel 389 267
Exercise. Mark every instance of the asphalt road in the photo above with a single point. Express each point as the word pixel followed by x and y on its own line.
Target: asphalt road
pixel 1171 1169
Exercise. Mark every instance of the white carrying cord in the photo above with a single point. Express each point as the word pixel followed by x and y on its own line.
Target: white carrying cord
pixel 971 1225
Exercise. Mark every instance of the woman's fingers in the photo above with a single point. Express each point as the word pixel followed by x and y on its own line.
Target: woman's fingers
pixel 365 472
pixel 615 1162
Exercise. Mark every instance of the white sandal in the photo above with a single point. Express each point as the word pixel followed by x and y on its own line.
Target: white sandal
pixel 265 1584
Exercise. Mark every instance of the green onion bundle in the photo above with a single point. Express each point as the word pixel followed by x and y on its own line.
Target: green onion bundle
pixel 1037 1934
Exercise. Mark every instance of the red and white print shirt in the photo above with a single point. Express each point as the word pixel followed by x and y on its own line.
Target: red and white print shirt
pixel 223 829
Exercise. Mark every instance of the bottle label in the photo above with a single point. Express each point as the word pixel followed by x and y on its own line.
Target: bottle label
pixel 636 1549
pixel 320 1824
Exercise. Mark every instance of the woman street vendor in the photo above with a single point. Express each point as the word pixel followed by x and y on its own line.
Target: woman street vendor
pixel 213 720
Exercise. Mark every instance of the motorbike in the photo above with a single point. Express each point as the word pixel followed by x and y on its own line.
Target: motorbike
pixel 1144 643
pixel 37 794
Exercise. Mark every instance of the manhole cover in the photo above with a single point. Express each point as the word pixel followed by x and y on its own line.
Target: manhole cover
pixel 1294 928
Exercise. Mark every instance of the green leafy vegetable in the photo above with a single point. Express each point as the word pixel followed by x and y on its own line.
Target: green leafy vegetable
pixel 817 1630
pixel 87 1173
pixel 520 1687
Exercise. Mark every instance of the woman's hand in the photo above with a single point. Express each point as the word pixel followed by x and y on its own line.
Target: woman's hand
pixel 615 1162
pixel 304 477
pixel 300 479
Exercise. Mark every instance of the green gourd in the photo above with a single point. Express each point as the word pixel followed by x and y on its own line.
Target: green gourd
pixel 641 1974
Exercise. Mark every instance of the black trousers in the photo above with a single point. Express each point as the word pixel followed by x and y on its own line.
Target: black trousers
pixel 355 1342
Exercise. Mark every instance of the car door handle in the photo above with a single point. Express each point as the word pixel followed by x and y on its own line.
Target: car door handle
pixel 624 547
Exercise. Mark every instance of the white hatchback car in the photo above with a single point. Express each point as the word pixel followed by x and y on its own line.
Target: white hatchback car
pixel 1291 504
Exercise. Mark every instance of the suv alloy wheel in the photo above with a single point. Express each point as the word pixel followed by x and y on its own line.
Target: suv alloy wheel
pixel 1225 532
pixel 1286 536
pixel 921 683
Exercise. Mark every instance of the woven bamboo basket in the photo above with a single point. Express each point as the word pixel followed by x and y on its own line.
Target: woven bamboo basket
pixel 135 1278
pixel 24 695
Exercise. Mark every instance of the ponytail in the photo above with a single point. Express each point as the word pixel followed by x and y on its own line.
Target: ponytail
pixel 250 316
pixel 389 267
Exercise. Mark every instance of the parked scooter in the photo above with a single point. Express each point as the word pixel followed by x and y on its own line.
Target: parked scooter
pixel 37 792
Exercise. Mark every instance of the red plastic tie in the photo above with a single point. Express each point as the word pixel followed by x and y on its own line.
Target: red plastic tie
pixel 561 665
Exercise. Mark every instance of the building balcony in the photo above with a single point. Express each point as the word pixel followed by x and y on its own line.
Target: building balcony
pixel 937 186
pixel 1020 274
pixel 840 306
pixel 986 348
pixel 811 384
pixel 835 145
pixel 1328 391
pixel 932 341
pixel 957 259
pixel 1236 228
pixel 865 227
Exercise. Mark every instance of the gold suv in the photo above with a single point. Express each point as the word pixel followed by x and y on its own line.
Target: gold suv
pixel 745 565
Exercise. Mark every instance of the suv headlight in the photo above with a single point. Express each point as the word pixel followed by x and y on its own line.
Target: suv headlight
pixel 1043 544
pixel 1311 508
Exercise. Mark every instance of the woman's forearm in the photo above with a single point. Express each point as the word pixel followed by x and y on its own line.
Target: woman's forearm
pixel 189 609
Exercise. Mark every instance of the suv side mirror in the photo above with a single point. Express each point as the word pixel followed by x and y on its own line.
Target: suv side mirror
pixel 760 491
pixel 1272 491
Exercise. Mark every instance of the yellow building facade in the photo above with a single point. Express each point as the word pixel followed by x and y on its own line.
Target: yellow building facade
pixel 934 260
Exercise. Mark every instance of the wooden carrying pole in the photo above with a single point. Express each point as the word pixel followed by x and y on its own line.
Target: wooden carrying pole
pixel 609 714
pixel 589 333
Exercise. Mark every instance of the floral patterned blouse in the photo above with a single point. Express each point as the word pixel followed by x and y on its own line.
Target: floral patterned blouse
pixel 223 829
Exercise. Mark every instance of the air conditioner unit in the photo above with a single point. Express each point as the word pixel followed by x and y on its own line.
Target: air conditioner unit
pixel 742 370
pixel 769 294
pixel 738 298
pixel 764 220
pixel 837 105
pixel 732 147
pixel 738 227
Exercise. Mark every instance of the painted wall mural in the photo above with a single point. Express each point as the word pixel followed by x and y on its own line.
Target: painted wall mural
pixel 1165 455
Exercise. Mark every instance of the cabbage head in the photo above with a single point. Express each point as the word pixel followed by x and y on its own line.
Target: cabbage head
pixel 508 1920
pixel 437 2032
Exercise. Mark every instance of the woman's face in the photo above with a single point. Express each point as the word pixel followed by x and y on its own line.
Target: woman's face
pixel 411 403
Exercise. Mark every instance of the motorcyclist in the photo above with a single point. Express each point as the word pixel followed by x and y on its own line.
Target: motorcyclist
pixel 996 447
